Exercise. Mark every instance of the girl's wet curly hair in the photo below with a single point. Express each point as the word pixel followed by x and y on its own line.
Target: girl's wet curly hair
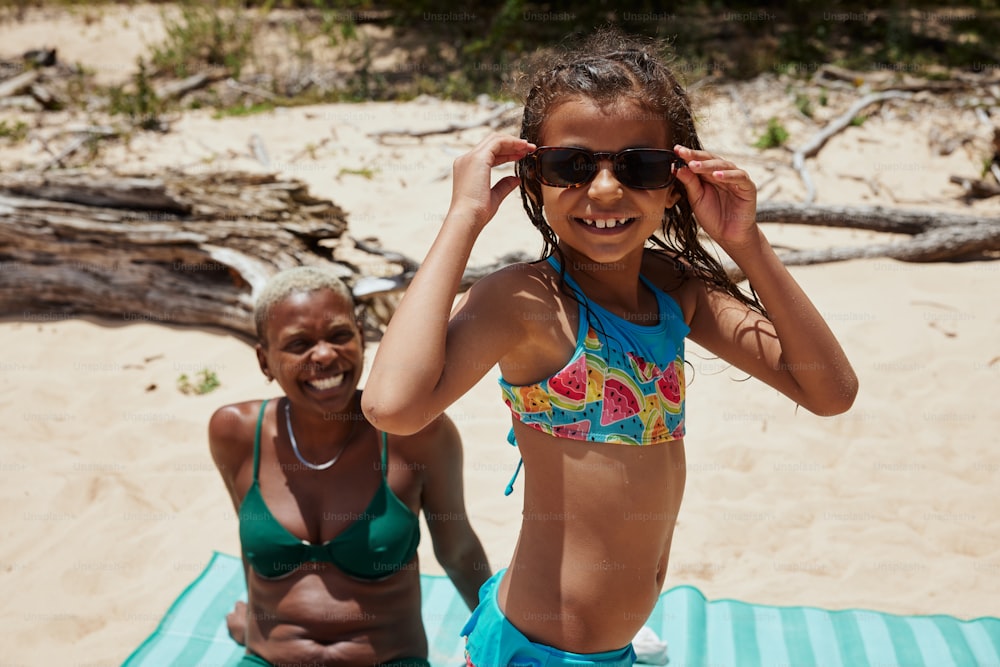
pixel 608 68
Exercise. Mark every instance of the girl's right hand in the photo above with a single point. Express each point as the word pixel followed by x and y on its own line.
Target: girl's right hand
pixel 472 197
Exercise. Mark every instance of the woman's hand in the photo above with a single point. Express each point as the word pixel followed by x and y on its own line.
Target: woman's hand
pixel 236 622
pixel 722 196
pixel 472 198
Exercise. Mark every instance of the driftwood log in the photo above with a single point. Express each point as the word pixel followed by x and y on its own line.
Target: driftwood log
pixel 935 236
pixel 192 249
pixel 169 249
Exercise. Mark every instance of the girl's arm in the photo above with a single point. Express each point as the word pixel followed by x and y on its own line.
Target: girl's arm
pixel 792 349
pixel 427 359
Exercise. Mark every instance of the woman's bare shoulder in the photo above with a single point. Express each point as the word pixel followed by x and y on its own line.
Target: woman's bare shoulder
pixel 231 431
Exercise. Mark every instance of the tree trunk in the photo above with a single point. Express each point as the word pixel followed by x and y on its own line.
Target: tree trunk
pixel 173 249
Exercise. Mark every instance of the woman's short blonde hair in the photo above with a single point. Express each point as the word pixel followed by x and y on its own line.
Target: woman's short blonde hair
pixel 300 279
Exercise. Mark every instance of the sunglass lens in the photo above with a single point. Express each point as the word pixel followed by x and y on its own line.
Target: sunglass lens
pixel 565 167
pixel 645 169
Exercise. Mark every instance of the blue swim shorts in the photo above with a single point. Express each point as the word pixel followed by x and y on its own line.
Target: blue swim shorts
pixel 493 641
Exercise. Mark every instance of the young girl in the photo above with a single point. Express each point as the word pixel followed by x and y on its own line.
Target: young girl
pixel 590 342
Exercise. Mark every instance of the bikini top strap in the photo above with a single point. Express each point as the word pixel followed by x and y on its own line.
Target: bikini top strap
pixel 510 485
pixel 385 455
pixel 256 439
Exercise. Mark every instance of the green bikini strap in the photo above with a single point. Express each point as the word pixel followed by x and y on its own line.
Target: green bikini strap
pixel 256 439
pixel 385 455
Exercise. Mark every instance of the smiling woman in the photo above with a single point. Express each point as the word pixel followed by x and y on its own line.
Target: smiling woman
pixel 327 505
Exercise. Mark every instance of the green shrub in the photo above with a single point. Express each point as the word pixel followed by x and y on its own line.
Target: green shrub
pixel 139 102
pixel 775 135
pixel 216 33
pixel 204 382
pixel 13 132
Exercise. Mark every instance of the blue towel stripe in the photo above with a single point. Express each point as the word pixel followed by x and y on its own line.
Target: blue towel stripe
pixel 903 641
pixel 719 627
pixel 770 636
pixel 982 642
pixel 977 637
pixel 743 624
pixel 875 636
pixel 218 583
pixel 696 628
pixel 932 644
pixel 992 627
pixel 795 629
pixel 444 613
pixel 214 603
pixel 954 639
pixel 823 638
pixel 852 647
pixel 683 626
pixel 699 633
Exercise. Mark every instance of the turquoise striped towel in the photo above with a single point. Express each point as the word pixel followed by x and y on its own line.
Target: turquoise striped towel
pixel 699 633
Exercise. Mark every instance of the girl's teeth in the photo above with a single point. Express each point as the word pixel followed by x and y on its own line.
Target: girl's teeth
pixel 605 224
pixel 328 383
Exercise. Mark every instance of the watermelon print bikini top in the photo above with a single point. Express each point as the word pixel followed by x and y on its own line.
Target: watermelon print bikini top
pixel 624 383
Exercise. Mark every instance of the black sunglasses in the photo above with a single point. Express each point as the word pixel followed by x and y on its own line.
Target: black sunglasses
pixel 639 168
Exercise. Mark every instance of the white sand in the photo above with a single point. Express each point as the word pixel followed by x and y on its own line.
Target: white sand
pixel 110 503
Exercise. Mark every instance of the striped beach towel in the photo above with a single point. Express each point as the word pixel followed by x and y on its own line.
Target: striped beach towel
pixel 699 632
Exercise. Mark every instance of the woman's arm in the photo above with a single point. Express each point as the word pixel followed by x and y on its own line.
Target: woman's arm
pixel 230 441
pixel 792 349
pixel 227 441
pixel 427 359
pixel 456 546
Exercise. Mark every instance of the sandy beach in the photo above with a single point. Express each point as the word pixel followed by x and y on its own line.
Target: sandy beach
pixel 110 503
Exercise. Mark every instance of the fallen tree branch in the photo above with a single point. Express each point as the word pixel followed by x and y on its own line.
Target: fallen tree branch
pixel 259 150
pixel 874 218
pixel 45 97
pixel 86 134
pixel 178 89
pixel 812 147
pixel 493 120
pixel 879 80
pixel 936 236
pixel 250 90
pixel 935 245
pixel 976 188
pixel 19 83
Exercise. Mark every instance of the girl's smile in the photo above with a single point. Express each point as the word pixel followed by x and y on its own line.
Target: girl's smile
pixel 611 225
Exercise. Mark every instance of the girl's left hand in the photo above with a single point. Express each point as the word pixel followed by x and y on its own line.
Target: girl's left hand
pixel 723 197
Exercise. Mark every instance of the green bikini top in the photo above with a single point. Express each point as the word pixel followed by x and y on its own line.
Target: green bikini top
pixel 382 539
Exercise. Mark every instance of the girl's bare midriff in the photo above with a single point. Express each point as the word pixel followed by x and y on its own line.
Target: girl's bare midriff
pixel 298 618
pixel 589 563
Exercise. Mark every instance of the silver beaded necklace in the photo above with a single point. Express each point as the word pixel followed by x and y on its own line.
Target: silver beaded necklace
pixel 295 445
